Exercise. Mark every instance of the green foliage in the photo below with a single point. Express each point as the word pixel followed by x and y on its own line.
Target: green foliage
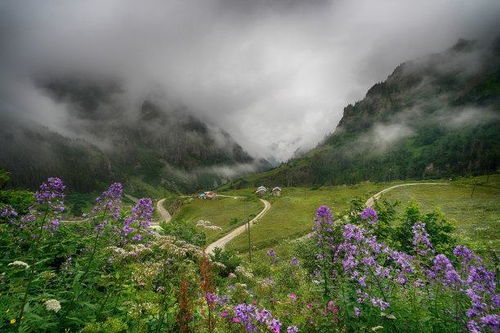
pixel 20 200
pixel 4 178
pixel 184 230
pixel 437 226
pixel 78 203
pixel 387 215
pixel 229 259
pixel 111 325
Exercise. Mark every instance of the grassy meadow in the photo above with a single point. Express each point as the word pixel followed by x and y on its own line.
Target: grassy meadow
pixel 476 219
pixel 473 209
pixel 226 213
pixel 291 214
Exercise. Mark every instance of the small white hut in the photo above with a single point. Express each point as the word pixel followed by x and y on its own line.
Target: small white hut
pixel 211 195
pixel 276 191
pixel 261 191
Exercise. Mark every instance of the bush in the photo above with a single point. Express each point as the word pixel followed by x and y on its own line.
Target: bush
pixel 436 225
pixel 185 231
pixel 228 259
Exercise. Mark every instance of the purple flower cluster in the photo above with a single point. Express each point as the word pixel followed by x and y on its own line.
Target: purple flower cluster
pixel 369 214
pixel 50 199
pixel 359 255
pixel 140 220
pixel 323 221
pixel 375 267
pixel 110 200
pixel 479 285
pixel 51 194
pixel 421 241
pixel 213 299
pixel 251 317
pixel 49 206
pixel 324 233
pixel 272 254
pixel 7 211
pixel 444 271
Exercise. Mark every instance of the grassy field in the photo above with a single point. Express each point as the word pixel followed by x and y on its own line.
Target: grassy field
pixel 291 214
pixel 476 217
pixel 226 213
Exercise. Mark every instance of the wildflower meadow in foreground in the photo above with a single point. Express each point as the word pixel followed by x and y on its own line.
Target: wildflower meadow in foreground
pixel 111 272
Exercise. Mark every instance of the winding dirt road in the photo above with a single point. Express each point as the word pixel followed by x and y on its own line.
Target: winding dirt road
pixel 221 242
pixel 371 201
pixel 165 215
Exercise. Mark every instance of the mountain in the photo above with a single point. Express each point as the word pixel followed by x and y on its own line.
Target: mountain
pixel 438 116
pixel 107 136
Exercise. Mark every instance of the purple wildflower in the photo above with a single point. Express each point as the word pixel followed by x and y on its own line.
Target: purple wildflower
pixel 323 220
pixel 292 329
pixel 444 269
pixel 51 194
pixel 369 214
pixel 380 303
pixel 7 211
pixel 421 242
pixel 466 254
pixel 211 298
pixel 263 316
pixel 473 327
pixel 110 200
pixel 353 232
pixel 271 253
pixel 50 199
pixel 275 325
pixel 141 218
pixel 492 321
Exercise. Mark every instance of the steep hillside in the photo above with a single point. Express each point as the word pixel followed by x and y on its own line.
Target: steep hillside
pixel 438 116
pixel 108 136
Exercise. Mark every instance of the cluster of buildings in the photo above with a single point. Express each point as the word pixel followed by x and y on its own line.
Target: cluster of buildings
pixel 262 190
pixel 207 195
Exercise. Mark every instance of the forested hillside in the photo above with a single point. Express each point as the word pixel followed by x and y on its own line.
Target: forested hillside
pixel 107 136
pixel 438 116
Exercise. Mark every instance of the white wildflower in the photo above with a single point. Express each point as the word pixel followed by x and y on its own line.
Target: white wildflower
pixel 19 263
pixel 207 225
pixel 243 272
pixel 219 264
pixel 52 305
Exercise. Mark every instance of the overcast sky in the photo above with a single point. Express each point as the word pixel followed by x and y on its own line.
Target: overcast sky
pixel 274 74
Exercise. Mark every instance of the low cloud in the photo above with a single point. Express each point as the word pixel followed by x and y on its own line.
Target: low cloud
pixel 274 74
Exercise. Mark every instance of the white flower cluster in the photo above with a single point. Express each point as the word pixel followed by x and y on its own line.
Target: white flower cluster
pixel 52 305
pixel 132 251
pixel 219 264
pixel 18 263
pixel 207 225
pixel 240 270
pixel 176 247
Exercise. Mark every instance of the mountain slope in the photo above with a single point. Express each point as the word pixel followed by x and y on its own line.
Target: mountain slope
pixel 433 117
pixel 108 136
